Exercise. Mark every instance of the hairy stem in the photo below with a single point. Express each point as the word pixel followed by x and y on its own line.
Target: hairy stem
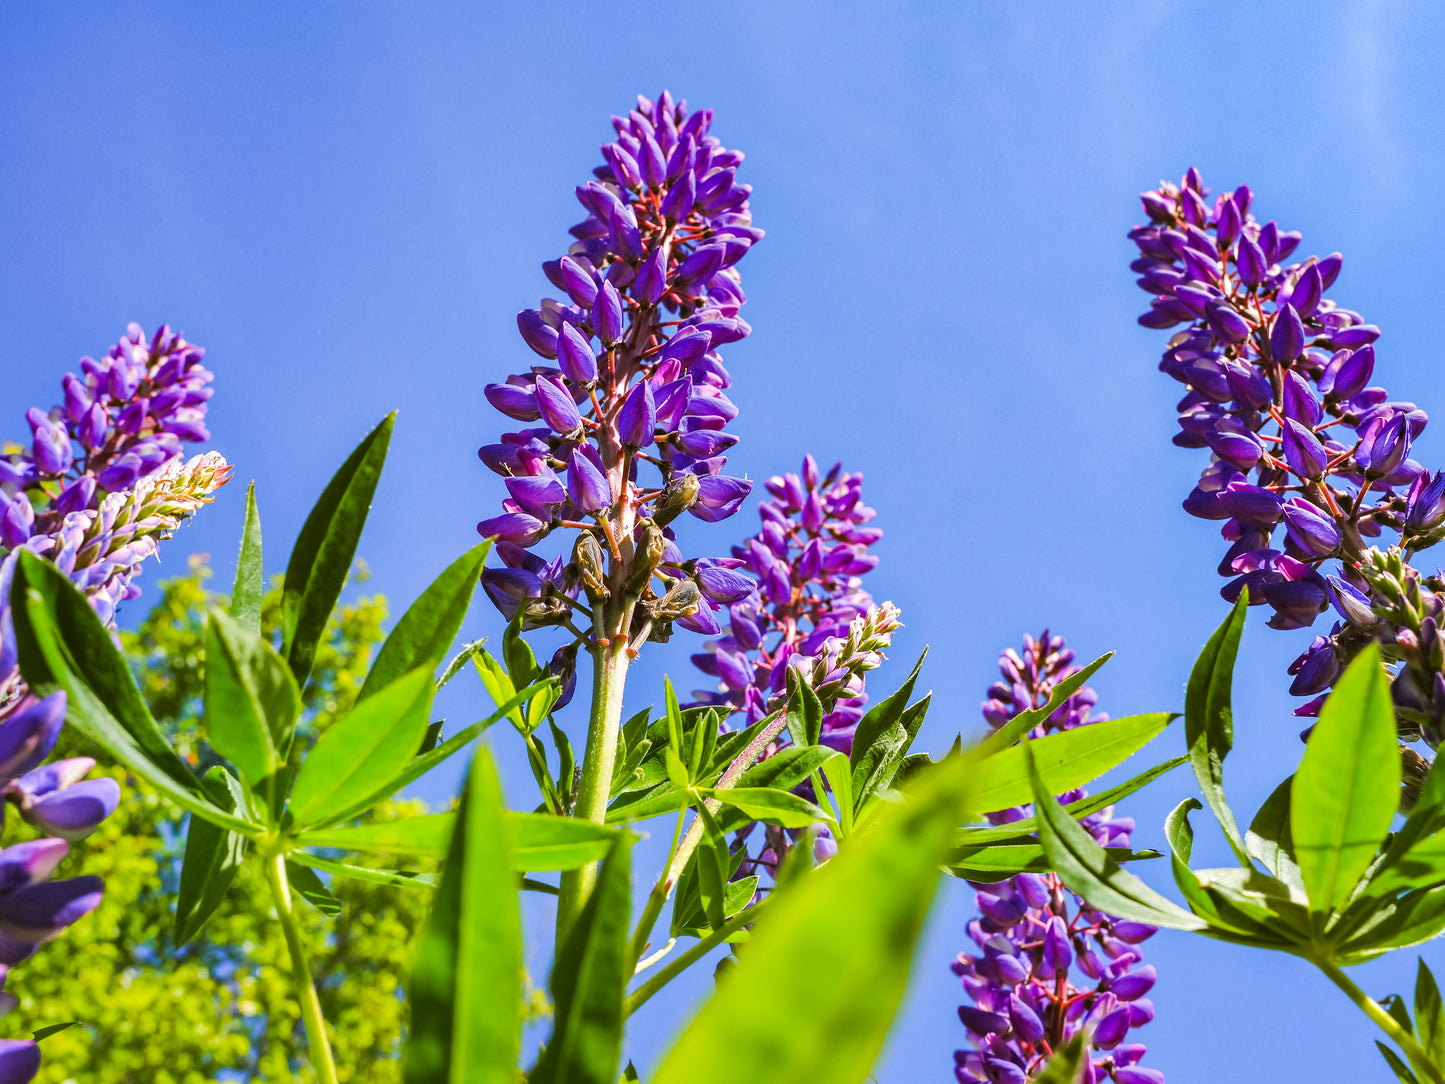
pixel 1386 1023
pixel 321 1059
pixel 609 676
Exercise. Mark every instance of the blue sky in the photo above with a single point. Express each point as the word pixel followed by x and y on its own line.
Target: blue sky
pixel 347 203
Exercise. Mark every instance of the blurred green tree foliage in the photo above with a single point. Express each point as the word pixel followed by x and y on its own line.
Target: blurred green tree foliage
pixel 218 1009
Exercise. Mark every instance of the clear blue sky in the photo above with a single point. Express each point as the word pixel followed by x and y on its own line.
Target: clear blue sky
pixel 347 203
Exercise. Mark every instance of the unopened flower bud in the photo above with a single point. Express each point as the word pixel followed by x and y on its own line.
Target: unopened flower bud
pixel 587 556
pixel 681 599
pixel 650 551
pixel 677 497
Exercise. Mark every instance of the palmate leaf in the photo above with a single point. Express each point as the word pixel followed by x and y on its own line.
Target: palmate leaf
pixel 321 559
pixel 466 985
pixel 856 921
pixel 1347 788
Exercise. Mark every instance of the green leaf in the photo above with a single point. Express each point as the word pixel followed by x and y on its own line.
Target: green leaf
pixel 517 653
pixel 466 985
pixel 804 711
pixel 1091 872
pixel 1065 1066
pixel 1082 808
pixel 310 888
pixel 250 583
pixel 1209 718
pixel 364 750
pixel 1268 838
pixel 544 842
pixel 877 734
pixel 213 855
pixel 1065 760
pixel 997 861
pixel 427 836
pixel 589 982
pixel 675 729
pixel 396 877
pixel 687 916
pixel 770 806
pixel 1429 1015
pixel 499 687
pixel 49 668
pixel 84 648
pixel 880 766
pixel 52 1029
pixel 1397 1064
pixel 857 921
pixel 321 559
pixel 430 624
pixel 251 699
pixel 1347 787
pixel 1014 730
pixel 714 867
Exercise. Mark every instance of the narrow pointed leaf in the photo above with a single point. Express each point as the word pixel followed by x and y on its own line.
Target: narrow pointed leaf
pixel 1065 760
pixel 589 982
pixel 856 921
pixel 770 806
pixel 251 699
pixel 1429 1015
pixel 427 836
pixel 1347 788
pixel 213 856
pixel 879 768
pixel 250 585
pixel 1091 872
pixel 431 623
pixel 466 985
pixel 1209 719
pixel 1268 838
pixel 92 657
pixel 396 877
pixel 364 750
pixel 48 667
pixel 312 889
pixel 321 559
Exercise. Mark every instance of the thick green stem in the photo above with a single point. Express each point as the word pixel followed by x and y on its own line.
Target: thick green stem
pixel 609 676
pixel 1387 1023
pixel 639 996
pixel 321 1059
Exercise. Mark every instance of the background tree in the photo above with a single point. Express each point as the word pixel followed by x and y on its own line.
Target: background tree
pixel 218 1008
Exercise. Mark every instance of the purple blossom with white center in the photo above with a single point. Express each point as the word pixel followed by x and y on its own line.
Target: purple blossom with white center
pixel 1278 379
pixel 650 293
pixel 1046 964
pixel 802 577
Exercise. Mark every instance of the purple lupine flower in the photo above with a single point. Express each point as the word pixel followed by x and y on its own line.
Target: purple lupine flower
pixel 651 294
pixel 100 484
pixel 1278 389
pixel 804 568
pixel 1046 964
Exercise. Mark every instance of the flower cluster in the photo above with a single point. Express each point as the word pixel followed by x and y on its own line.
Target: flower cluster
pixel 1278 379
pixel 807 560
pixel 100 484
pixel 1047 964
pixel 651 293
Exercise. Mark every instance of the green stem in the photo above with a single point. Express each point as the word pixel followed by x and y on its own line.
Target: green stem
pixel 321 1059
pixel 743 918
pixel 1387 1023
pixel 609 676
pixel 655 901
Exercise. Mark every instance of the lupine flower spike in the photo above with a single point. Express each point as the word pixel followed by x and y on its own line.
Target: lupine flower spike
pixel 1310 462
pixel 98 487
pixel 1046 964
pixel 632 380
